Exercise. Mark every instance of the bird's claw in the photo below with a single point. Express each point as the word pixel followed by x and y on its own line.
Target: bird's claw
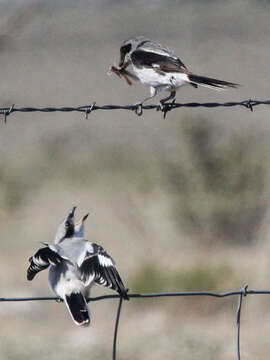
pixel 165 107
pixel 138 109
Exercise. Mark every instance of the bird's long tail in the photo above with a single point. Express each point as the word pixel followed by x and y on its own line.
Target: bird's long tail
pixel 210 83
pixel 78 308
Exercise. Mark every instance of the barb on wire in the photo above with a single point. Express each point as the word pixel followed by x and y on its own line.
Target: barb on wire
pixel 242 292
pixel 137 108
pixel 6 111
pixel 89 109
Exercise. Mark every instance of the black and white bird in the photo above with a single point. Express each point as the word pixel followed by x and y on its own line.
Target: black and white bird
pixel 158 66
pixel 75 265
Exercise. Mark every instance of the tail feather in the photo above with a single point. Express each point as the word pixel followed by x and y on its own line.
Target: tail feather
pixel 210 82
pixel 78 308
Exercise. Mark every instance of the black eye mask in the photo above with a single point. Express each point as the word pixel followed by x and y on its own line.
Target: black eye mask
pixel 123 51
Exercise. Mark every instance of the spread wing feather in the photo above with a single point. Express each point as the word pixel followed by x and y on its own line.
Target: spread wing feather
pixel 42 259
pixel 100 267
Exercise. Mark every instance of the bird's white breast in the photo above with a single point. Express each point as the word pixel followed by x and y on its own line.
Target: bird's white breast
pixel 65 282
pixel 151 77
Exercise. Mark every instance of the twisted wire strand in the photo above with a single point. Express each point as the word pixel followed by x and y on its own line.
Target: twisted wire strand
pixel 146 295
pixel 165 108
pixel 240 293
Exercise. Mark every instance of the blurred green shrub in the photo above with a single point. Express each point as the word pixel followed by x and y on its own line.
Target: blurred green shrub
pixel 202 277
pixel 149 278
pixel 213 180
pixel 219 188
pixel 155 278
pixel 11 191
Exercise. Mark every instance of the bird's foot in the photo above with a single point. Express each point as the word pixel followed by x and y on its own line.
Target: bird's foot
pixel 165 107
pixel 138 108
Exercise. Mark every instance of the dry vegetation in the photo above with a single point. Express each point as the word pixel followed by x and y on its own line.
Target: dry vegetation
pixel 181 204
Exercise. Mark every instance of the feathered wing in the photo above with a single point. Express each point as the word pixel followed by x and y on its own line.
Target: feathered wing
pixel 42 259
pixel 164 63
pixel 99 267
pixel 157 61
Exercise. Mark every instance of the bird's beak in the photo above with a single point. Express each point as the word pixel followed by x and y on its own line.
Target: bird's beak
pixel 85 217
pixel 71 213
pixel 82 219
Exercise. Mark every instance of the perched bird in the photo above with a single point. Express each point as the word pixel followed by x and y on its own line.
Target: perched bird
pixel 75 265
pixel 158 66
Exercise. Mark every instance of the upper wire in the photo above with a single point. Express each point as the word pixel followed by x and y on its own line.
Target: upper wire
pixel 137 108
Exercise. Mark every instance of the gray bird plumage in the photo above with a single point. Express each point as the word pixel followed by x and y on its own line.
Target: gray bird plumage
pixel 75 265
pixel 158 66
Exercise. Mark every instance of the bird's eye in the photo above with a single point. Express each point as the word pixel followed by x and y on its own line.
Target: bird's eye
pixel 125 48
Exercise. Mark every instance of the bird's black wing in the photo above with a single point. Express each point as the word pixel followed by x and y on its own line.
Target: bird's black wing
pixel 42 259
pixel 100 267
pixel 158 62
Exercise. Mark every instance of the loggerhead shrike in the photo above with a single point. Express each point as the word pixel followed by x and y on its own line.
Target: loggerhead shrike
pixel 157 66
pixel 75 264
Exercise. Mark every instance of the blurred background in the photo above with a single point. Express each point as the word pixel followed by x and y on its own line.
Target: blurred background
pixel 181 204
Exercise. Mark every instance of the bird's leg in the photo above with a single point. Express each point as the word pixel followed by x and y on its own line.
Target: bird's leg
pixel 163 102
pixel 138 110
pixel 171 96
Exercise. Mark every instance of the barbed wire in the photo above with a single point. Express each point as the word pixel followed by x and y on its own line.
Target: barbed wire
pixel 243 292
pixel 138 108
